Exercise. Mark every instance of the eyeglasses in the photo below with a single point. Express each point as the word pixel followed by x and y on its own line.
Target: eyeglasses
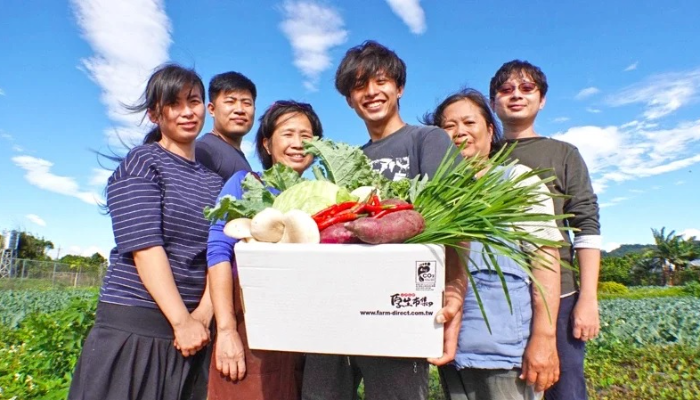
pixel 291 103
pixel 524 87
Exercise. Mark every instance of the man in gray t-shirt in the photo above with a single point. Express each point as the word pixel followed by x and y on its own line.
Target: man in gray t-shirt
pixel 232 105
pixel 371 78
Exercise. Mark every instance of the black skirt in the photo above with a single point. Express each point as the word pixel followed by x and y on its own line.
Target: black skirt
pixel 129 355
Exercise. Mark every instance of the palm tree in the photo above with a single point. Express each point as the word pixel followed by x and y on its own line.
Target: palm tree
pixel 672 252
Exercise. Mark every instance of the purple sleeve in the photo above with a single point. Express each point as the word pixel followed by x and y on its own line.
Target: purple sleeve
pixel 134 200
pixel 220 246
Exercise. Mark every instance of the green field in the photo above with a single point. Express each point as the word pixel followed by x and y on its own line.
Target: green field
pixel 648 347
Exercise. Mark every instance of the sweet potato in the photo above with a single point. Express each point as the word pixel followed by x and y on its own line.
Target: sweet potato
pixel 395 227
pixel 338 234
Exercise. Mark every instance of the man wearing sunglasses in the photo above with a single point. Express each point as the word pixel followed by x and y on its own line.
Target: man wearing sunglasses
pixel 371 77
pixel 517 92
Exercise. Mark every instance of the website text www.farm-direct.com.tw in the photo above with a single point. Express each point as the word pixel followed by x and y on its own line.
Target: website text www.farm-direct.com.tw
pixel 394 313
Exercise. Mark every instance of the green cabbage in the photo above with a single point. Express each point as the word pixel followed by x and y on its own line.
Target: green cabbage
pixel 312 196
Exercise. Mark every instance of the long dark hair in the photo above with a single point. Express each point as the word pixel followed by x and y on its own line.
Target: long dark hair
pixel 437 116
pixel 162 90
pixel 269 122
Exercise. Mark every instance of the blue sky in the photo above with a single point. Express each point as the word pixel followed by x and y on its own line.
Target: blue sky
pixel 624 87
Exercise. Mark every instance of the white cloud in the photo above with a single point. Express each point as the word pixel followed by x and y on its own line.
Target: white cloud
pixel 613 202
pixel 38 173
pixel 587 92
pixel 312 29
pixel 100 176
pixel 610 246
pixel 661 94
pixel 248 148
pixel 130 38
pixel 632 66
pixel 7 136
pixel 593 110
pixel 411 13
pixel 690 232
pixel 36 219
pixel 2 92
pixel 680 182
pixel 17 149
pixel 560 119
pixel 634 150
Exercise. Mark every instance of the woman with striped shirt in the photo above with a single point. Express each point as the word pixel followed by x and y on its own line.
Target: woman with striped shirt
pixel 153 313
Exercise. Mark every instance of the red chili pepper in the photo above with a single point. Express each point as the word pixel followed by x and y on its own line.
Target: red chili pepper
pixel 346 217
pixel 395 208
pixel 333 210
pixel 375 208
pixel 375 200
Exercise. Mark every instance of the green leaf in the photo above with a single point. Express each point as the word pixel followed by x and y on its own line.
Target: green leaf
pixel 281 177
pixel 342 164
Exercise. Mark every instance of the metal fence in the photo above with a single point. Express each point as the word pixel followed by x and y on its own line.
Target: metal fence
pixel 56 273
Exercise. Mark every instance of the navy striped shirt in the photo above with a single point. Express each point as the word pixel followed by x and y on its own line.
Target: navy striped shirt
pixel 156 198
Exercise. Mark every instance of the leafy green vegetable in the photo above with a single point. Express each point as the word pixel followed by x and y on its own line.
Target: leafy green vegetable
pixel 312 196
pixel 281 177
pixel 256 197
pixel 342 164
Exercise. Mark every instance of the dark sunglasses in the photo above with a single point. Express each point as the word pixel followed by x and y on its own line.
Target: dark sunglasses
pixel 524 87
pixel 289 103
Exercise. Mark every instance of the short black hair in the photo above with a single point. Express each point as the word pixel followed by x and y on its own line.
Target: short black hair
pixel 366 61
pixel 437 117
pixel 521 68
pixel 229 82
pixel 270 119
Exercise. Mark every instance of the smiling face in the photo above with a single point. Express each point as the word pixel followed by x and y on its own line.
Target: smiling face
pixel 377 101
pixel 515 104
pixel 286 143
pixel 466 125
pixel 233 112
pixel 181 121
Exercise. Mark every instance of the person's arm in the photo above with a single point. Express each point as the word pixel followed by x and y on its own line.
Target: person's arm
pixel 205 310
pixel 540 366
pixel 587 242
pixel 586 318
pixel 229 357
pixel 451 313
pixel 154 270
pixel 541 361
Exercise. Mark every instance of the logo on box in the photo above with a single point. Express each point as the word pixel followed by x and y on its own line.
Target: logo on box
pixel 426 275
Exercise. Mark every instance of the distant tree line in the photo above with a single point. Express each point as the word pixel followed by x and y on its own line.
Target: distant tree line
pixel 671 260
pixel 33 248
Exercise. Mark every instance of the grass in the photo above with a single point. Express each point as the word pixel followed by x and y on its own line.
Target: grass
pixel 645 292
pixel 652 372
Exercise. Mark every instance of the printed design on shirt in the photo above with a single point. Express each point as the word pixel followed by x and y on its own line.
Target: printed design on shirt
pixel 398 167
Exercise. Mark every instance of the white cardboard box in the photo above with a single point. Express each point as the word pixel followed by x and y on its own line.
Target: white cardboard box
pixel 343 299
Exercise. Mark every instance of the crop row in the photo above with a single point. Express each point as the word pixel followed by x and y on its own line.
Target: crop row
pixel 16 305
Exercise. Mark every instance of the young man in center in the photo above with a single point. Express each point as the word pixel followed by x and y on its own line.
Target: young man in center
pixel 232 106
pixel 372 78
pixel 517 93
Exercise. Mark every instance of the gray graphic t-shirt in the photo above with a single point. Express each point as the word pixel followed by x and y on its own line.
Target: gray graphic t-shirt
pixel 408 152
